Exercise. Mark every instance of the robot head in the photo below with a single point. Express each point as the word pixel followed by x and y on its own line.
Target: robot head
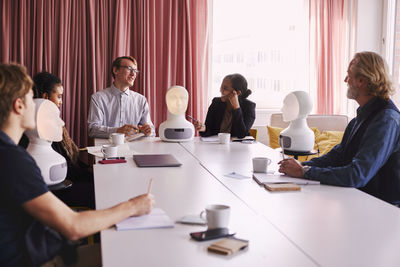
pixel 177 100
pixel 296 105
pixel 48 122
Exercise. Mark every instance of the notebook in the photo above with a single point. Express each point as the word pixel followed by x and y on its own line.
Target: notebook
pixel 133 137
pixel 267 178
pixel 156 160
pixel 156 219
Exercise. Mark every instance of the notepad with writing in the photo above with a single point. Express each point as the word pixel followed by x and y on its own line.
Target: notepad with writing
pixel 267 178
pixel 157 218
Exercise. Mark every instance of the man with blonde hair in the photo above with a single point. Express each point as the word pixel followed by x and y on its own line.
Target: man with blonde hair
pixel 368 157
pixel 34 224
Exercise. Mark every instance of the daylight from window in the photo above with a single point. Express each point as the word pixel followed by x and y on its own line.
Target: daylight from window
pixel 264 40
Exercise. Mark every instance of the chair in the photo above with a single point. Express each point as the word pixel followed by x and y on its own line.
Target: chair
pixel 322 122
pixel 254 133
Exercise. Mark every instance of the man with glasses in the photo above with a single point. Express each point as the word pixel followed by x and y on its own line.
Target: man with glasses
pixel 118 109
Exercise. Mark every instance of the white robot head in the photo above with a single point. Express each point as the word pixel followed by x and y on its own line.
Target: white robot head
pixel 48 128
pixel 48 122
pixel 176 128
pixel 298 136
pixel 177 99
pixel 296 105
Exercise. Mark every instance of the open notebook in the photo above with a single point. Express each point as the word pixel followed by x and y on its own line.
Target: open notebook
pixel 157 218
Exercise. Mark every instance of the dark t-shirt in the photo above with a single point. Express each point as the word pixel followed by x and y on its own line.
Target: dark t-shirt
pixel 20 181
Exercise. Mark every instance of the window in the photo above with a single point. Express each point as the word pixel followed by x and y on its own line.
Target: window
pixel 391 43
pixel 264 40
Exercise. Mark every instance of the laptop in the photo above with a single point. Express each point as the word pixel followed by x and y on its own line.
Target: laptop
pixel 156 160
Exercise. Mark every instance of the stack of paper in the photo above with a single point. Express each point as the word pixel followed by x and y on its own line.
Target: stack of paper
pixel 267 178
pixel 157 218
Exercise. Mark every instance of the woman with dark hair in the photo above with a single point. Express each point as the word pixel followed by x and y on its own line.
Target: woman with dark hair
pixel 232 112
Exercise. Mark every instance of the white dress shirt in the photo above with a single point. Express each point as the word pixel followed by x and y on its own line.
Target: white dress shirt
pixel 111 108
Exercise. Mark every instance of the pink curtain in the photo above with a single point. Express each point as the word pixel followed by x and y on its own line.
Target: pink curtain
pixel 78 40
pixel 330 51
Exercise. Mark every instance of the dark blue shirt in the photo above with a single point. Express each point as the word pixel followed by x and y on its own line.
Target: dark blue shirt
pixel 20 181
pixel 379 141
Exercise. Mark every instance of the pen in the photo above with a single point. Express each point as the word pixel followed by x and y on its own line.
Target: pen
pixel 282 150
pixel 113 158
pixel 190 117
pixel 149 188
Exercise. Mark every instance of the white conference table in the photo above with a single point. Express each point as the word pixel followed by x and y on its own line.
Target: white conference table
pixel 181 191
pixel 334 226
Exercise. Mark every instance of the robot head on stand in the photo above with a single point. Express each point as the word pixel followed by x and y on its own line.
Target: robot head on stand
pixel 176 128
pixel 298 136
pixel 48 129
pixel 177 100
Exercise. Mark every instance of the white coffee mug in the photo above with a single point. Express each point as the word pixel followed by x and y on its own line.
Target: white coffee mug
pixel 224 138
pixel 260 164
pixel 109 151
pixel 118 138
pixel 217 216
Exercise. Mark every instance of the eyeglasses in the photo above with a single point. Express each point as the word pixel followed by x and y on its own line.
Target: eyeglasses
pixel 131 69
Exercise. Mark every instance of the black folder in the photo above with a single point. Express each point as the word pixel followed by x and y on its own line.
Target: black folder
pixel 156 160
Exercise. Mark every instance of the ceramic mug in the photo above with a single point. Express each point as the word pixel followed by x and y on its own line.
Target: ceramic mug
pixel 216 216
pixel 109 151
pixel 260 164
pixel 224 138
pixel 118 138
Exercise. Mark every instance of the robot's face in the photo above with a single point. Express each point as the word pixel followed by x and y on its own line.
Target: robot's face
pixel 290 109
pixel 49 123
pixel 177 100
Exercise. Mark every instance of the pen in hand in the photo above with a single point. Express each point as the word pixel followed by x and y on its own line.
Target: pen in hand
pixel 150 184
pixel 193 119
pixel 282 150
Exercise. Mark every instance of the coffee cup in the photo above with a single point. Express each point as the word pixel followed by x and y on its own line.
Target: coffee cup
pixel 216 216
pixel 117 138
pixel 260 164
pixel 224 138
pixel 109 151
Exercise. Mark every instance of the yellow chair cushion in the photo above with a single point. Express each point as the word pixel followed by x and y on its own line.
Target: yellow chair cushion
pixel 325 141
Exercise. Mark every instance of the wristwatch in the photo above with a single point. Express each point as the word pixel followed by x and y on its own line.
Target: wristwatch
pixel 305 169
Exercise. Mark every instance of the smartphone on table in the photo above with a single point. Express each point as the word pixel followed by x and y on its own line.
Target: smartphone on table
pixel 211 234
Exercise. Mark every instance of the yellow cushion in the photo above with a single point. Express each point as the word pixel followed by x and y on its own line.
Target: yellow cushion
pixel 273 134
pixel 327 140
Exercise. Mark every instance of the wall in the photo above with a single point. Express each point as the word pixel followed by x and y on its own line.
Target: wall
pixel 369 25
